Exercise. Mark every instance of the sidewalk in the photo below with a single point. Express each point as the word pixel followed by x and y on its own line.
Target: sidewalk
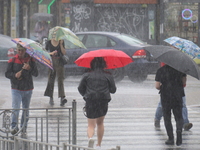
pixel 130 128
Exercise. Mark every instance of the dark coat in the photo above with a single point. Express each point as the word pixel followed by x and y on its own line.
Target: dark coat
pixel 97 86
pixel 26 83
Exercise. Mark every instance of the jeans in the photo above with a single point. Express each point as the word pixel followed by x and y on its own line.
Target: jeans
pixel 17 98
pixel 159 112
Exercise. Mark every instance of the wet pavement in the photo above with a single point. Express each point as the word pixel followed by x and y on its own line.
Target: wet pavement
pixel 129 122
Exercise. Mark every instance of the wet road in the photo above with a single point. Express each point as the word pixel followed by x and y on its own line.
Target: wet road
pixel 129 122
pixel 128 95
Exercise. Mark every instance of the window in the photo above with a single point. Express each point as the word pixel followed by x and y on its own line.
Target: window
pixel 181 19
pixel 99 41
pixel 130 39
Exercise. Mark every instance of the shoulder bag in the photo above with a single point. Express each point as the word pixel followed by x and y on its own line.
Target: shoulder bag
pixel 64 59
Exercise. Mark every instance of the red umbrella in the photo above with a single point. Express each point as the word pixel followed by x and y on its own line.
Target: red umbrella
pixel 113 58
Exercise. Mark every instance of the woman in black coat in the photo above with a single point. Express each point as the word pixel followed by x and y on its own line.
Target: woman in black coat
pixel 95 87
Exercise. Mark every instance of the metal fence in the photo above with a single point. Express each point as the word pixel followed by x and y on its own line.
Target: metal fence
pixel 48 129
pixel 25 144
pixel 50 125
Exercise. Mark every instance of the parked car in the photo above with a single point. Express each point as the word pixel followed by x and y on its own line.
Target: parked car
pixel 7 51
pixel 137 71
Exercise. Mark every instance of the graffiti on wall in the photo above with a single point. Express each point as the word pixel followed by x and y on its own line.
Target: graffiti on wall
pixel 77 28
pixel 81 13
pixel 124 20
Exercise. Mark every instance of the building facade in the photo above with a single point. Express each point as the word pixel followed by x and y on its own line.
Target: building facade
pixel 149 20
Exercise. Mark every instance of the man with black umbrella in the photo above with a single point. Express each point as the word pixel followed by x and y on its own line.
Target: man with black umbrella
pixel 170 83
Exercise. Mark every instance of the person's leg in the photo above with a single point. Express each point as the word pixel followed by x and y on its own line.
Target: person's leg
pixel 91 127
pixel 167 121
pixel 50 84
pixel 61 91
pixel 186 124
pixel 159 113
pixel 16 102
pixel 100 130
pixel 61 77
pixel 26 98
pixel 177 111
pixel 91 131
pixel 184 111
pixel 166 106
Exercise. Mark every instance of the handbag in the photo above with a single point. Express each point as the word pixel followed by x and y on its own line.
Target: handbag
pixel 64 59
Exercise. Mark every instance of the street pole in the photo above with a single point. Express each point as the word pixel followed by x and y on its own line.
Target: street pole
pixel 161 22
pixel 1 16
pixel 198 39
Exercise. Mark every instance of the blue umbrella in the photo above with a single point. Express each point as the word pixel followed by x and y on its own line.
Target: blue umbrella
pixel 185 46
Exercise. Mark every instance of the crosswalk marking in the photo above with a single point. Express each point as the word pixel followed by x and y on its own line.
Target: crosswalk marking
pixel 131 128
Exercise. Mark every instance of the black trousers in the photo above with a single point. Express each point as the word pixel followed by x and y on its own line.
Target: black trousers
pixel 172 104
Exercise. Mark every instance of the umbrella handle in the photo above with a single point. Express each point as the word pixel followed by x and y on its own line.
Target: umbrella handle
pixel 20 76
pixel 23 69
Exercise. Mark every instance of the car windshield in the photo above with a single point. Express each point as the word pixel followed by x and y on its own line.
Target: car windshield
pixel 5 41
pixel 130 39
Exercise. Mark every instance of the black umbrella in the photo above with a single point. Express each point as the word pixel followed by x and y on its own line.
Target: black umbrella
pixel 175 58
pixel 42 17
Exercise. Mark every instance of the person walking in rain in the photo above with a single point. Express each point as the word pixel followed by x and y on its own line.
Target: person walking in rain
pixel 56 49
pixel 20 70
pixel 95 87
pixel 158 115
pixel 42 30
pixel 170 83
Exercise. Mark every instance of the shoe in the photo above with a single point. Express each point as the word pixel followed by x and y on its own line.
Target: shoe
pixel 98 147
pixel 51 102
pixel 157 123
pixel 23 134
pixel 91 143
pixel 13 132
pixel 178 138
pixel 187 126
pixel 169 142
pixel 63 101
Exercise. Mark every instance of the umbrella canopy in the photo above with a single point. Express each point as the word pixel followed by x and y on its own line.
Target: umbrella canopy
pixel 35 50
pixel 185 46
pixel 175 58
pixel 113 58
pixel 42 17
pixel 61 33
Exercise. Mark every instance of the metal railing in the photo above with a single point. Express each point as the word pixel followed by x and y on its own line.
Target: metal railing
pixel 45 124
pixel 25 144
pixel 49 122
